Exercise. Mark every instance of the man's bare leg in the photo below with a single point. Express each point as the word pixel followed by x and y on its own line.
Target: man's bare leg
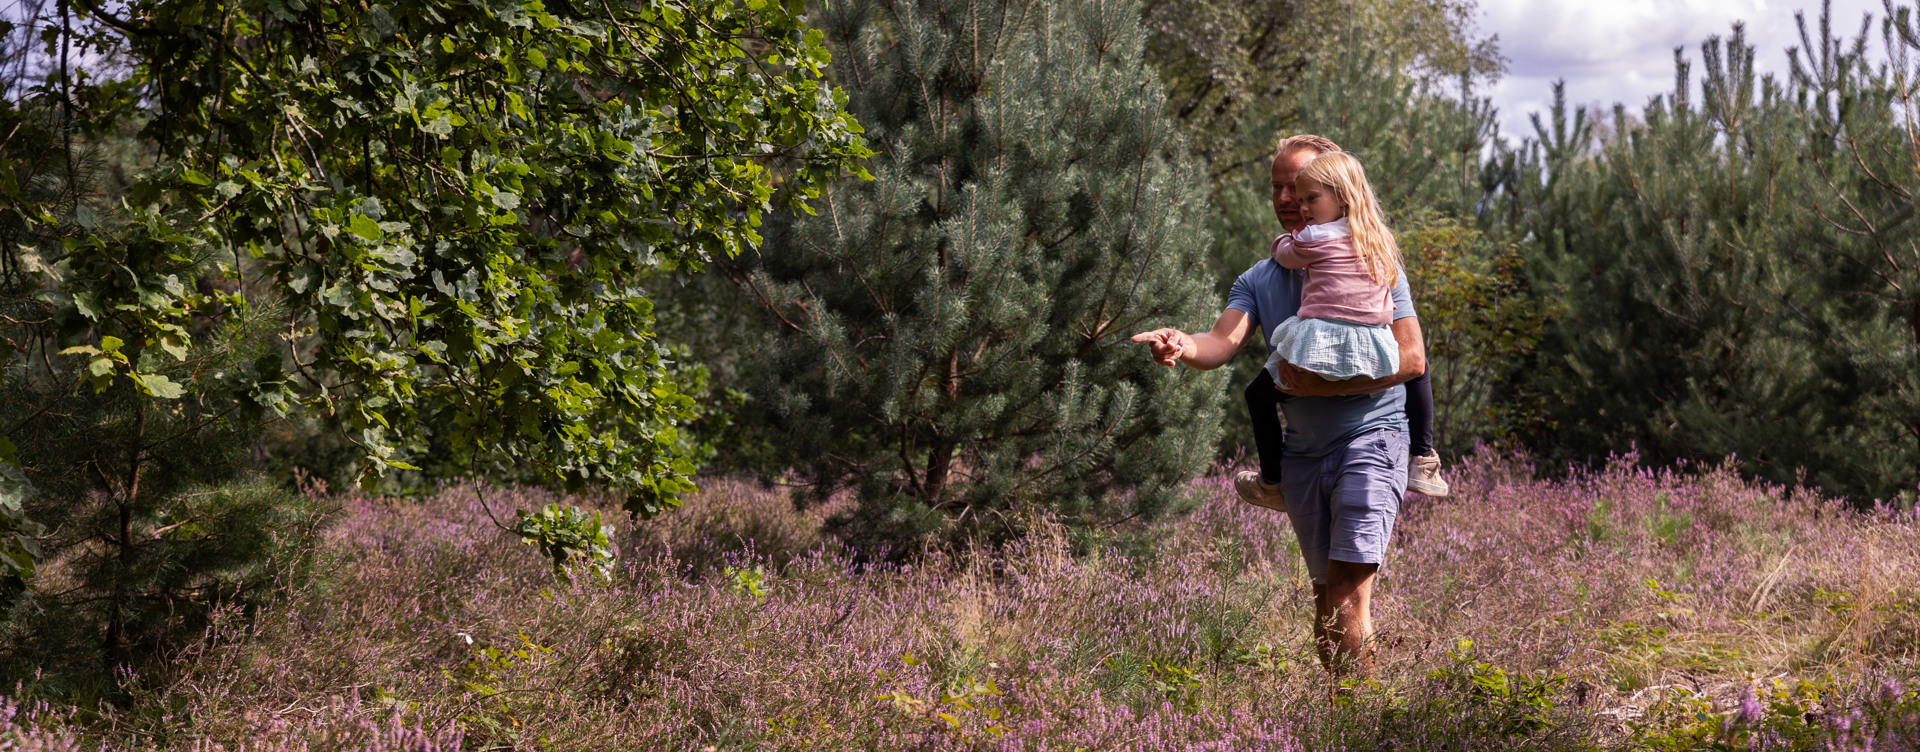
pixel 1343 618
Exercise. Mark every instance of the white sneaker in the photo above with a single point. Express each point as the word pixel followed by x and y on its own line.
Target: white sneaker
pixel 1423 477
pixel 1253 490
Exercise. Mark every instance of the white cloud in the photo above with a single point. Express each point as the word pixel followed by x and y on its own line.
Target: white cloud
pixel 1622 50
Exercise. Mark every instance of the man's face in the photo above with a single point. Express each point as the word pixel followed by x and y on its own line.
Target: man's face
pixel 1286 204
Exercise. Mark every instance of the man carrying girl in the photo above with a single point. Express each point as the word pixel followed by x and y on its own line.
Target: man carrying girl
pixel 1333 298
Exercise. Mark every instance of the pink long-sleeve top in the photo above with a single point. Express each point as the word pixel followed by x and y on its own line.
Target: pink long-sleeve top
pixel 1337 284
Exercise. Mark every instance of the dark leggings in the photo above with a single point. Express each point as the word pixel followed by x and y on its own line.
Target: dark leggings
pixel 1420 414
pixel 1263 402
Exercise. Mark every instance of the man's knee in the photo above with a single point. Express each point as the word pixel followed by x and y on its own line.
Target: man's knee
pixel 1346 578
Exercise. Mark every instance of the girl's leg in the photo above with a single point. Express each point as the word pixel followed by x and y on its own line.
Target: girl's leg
pixel 1423 473
pixel 1263 403
pixel 1261 487
pixel 1420 414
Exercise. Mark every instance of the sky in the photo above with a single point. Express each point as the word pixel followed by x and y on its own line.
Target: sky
pixel 1622 50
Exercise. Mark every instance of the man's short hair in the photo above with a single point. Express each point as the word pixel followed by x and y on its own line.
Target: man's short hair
pixel 1317 144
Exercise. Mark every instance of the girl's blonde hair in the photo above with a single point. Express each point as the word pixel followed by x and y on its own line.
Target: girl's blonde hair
pixel 1340 172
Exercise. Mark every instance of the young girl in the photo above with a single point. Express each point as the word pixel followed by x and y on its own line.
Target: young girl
pixel 1346 304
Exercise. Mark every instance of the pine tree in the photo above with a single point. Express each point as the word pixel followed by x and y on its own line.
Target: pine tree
pixel 952 335
pixel 1740 272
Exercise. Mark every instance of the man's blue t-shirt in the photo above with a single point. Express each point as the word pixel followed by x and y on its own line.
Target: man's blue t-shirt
pixel 1270 294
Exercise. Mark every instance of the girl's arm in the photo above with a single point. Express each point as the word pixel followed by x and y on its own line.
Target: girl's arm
pixel 1287 253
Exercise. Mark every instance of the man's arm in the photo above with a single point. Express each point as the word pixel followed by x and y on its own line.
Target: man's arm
pixel 1206 351
pixel 1413 362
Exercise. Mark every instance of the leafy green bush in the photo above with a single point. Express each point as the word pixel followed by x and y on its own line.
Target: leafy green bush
pixel 422 228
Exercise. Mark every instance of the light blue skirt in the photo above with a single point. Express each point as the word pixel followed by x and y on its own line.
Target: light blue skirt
pixel 1334 349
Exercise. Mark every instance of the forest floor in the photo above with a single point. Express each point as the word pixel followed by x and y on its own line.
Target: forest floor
pixel 1619 609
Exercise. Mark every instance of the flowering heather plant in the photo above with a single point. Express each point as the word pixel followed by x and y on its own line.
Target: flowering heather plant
pixel 1622 608
pixel 35 727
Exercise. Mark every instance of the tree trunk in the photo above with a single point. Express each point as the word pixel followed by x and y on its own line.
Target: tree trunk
pixel 117 642
pixel 940 457
pixel 939 465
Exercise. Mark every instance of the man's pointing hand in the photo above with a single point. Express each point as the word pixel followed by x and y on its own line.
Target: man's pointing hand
pixel 1167 345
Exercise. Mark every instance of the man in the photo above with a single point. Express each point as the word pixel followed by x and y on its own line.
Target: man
pixel 1342 459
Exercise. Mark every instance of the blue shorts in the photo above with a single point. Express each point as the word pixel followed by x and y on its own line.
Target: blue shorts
pixel 1343 505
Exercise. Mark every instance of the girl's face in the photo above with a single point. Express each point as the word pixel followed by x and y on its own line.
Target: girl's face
pixel 1318 205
